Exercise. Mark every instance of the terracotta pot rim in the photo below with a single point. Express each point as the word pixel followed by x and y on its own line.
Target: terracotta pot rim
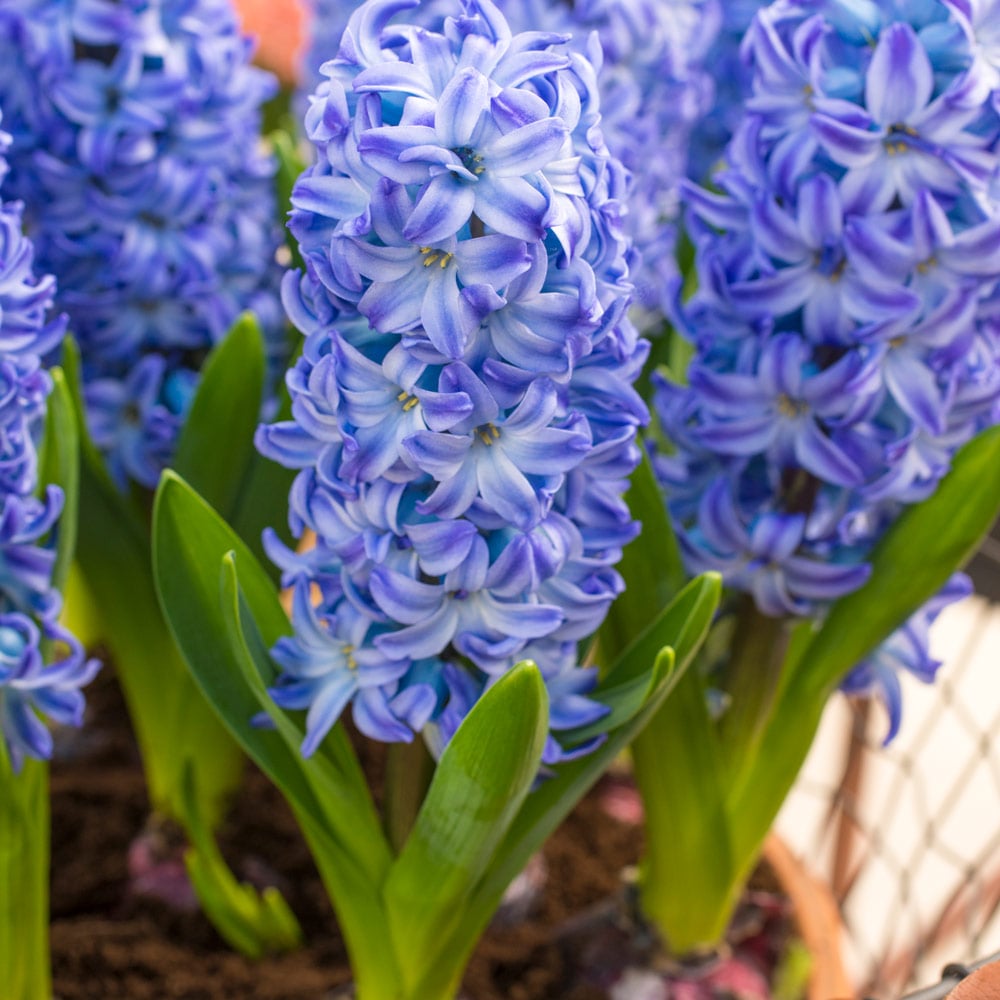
pixel 818 920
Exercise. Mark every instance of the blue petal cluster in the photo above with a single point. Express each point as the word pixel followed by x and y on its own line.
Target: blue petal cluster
pixel 731 76
pixel 148 195
pixel 846 327
pixel 30 687
pixel 464 417
pixel 649 58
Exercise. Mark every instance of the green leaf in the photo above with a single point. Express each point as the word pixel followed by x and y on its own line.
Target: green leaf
pixel 482 779
pixel 91 461
pixel 333 771
pixel 172 721
pixel 216 453
pixel 624 701
pixel 651 565
pixel 682 627
pixel 347 843
pixel 24 880
pixel 59 465
pixel 202 598
pixel 190 544
pixel 253 923
pixel 215 446
pixel 678 769
pixel 627 687
pixel 685 620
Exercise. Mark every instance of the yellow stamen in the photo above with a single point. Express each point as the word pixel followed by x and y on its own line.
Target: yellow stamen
pixel 789 407
pixel 488 434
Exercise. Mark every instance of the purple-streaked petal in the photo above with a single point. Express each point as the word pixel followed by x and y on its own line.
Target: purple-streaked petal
pixel 443 207
pixel 462 103
pixel 503 486
pixel 439 455
pixel 900 78
pixel 426 638
pixel 847 145
pixel 820 215
pixel 512 206
pixel 441 546
pixel 773 294
pixel 914 386
pixel 526 149
pixel 402 598
pixel 326 709
pixel 492 260
pixel 817 453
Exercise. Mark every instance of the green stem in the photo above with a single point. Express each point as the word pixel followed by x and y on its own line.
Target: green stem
pixel 409 769
pixel 751 681
pixel 24 881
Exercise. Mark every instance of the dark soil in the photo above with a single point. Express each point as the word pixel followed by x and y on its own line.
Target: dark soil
pixel 109 944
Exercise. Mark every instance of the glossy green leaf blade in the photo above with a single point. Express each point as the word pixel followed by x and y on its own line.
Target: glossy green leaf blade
pixel 190 542
pixel 624 701
pixel 189 546
pixel 678 769
pixel 24 880
pixel 628 685
pixel 911 563
pixel 342 828
pixel 333 771
pixel 216 442
pixel 173 722
pixel 73 376
pixel 546 807
pixel 683 626
pixel 255 923
pixel 651 566
pixel 686 620
pixel 481 780
pixel 59 465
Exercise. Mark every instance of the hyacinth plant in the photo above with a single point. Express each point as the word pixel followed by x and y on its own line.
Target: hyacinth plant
pixel 463 426
pixel 149 196
pixel 832 451
pixel 42 665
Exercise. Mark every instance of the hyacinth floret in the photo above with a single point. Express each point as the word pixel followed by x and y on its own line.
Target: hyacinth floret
pixel 845 328
pixel 464 419
pixel 42 666
pixel 148 195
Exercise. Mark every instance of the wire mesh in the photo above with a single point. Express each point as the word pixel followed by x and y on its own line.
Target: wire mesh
pixel 908 836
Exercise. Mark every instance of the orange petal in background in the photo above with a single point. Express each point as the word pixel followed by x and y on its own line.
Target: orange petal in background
pixel 278 27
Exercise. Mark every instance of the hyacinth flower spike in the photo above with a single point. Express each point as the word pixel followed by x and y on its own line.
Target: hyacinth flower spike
pixel 833 450
pixel 42 665
pixel 149 195
pixel 463 477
